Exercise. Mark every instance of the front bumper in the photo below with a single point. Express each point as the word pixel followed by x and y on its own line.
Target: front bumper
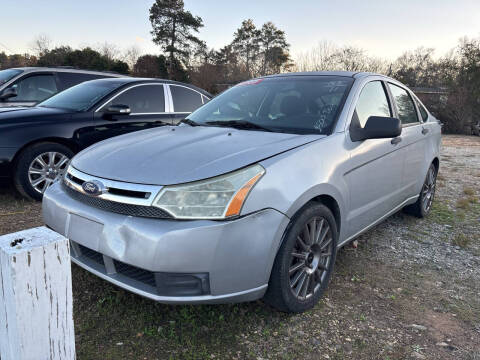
pixel 6 157
pixel 237 255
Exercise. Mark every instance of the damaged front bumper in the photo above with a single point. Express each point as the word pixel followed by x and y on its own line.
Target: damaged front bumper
pixel 171 261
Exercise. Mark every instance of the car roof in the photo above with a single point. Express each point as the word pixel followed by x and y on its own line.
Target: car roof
pixel 68 69
pixel 134 80
pixel 316 73
pixel 352 74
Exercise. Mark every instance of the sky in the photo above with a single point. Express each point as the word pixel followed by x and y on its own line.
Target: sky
pixel 382 28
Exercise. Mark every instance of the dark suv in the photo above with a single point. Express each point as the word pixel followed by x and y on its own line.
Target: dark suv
pixel 28 86
pixel 37 143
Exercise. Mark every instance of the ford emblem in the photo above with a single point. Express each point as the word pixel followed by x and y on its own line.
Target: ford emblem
pixel 93 188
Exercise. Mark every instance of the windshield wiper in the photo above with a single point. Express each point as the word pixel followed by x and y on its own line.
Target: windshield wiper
pixel 188 122
pixel 239 124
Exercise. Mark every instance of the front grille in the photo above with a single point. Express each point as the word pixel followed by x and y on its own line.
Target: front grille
pixel 117 207
pixel 115 191
pixel 165 284
pixel 92 254
pixel 144 276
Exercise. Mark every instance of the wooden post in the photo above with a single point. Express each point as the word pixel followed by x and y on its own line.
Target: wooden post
pixel 36 320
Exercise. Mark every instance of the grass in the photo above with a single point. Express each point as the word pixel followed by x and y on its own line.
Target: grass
pixel 465 202
pixel 441 213
pixel 461 240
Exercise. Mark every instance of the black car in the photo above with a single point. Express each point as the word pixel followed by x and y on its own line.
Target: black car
pixel 37 143
pixel 27 86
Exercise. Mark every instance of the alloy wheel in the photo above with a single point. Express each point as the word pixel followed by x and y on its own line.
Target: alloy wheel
pixel 428 189
pixel 310 258
pixel 45 169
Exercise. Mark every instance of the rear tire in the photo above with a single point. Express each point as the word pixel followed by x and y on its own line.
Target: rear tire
pixel 423 205
pixel 38 166
pixel 305 261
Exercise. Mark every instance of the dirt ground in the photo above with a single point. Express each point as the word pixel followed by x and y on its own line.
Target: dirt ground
pixel 411 290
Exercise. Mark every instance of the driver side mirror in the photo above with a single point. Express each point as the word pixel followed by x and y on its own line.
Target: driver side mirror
pixel 376 127
pixel 118 110
pixel 8 93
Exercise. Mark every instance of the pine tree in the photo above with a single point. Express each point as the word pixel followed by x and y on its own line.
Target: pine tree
pixel 173 29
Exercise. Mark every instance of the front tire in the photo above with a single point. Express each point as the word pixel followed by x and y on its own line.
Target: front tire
pixel 305 261
pixel 38 166
pixel 423 205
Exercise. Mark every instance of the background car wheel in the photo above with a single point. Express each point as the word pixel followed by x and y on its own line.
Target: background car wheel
pixel 423 205
pixel 305 260
pixel 38 166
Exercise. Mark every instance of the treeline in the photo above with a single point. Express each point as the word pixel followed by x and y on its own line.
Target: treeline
pixel 448 85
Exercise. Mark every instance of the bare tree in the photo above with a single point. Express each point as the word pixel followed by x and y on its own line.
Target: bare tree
pixel 328 56
pixel 40 45
pixel 131 55
pixel 109 50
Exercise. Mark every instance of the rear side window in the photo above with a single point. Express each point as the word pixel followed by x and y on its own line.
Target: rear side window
pixel 184 99
pixel 423 112
pixel 372 102
pixel 35 88
pixel 406 109
pixel 141 99
pixel 70 79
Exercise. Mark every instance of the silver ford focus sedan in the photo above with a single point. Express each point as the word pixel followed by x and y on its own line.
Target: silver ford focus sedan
pixel 253 193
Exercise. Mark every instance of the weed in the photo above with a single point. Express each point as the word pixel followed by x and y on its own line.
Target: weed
pixel 461 240
pixel 464 203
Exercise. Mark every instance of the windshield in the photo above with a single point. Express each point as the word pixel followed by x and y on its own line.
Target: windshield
pixel 292 104
pixel 6 75
pixel 83 96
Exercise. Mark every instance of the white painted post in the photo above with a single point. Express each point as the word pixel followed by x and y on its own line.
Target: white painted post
pixel 36 319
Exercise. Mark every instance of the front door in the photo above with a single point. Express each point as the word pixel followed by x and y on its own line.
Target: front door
pixel 147 110
pixel 374 175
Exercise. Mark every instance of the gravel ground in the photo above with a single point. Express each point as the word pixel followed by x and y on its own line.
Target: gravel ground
pixel 410 290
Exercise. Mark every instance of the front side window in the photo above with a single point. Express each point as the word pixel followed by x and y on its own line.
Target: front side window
pixel 143 99
pixel 35 88
pixel 405 107
pixel 372 102
pixel 184 99
pixel 8 74
pixel 83 96
pixel 292 104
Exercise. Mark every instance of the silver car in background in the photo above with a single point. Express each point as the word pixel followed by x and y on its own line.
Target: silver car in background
pixel 253 193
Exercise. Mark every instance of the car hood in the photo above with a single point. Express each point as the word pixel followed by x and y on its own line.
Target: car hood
pixel 4 108
pixel 30 113
pixel 180 154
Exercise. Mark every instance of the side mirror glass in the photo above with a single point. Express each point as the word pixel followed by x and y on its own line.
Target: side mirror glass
pixel 376 127
pixel 8 93
pixel 118 109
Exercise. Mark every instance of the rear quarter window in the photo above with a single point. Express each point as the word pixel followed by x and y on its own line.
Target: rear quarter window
pixel 184 99
pixel 423 111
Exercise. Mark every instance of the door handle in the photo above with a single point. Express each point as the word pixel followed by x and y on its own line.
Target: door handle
pixel 424 131
pixel 396 140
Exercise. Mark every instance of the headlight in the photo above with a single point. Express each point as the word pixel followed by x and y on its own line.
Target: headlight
pixel 216 198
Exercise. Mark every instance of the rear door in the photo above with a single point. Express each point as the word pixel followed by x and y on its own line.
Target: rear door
pixel 413 141
pixel 148 109
pixel 183 101
pixel 375 168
